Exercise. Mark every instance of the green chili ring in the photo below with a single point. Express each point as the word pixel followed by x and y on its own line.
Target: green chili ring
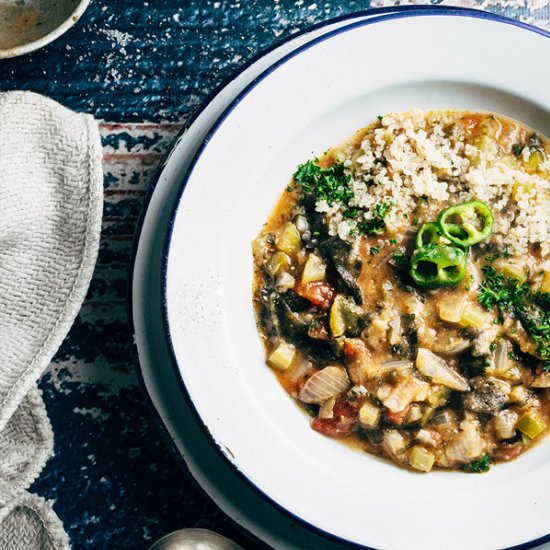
pixel 467 233
pixel 434 266
pixel 430 233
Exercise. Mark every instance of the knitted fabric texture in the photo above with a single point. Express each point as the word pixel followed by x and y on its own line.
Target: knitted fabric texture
pixel 51 190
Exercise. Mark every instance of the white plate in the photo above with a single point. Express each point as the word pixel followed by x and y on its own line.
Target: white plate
pixel 311 100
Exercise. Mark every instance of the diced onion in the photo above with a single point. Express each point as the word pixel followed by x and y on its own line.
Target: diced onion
pixel 325 411
pixel 404 393
pixel 284 282
pixel 505 424
pixel 392 366
pixel 450 309
pixel 301 223
pixel 466 445
pixel 300 369
pixel 394 443
pixel 501 361
pixel 436 368
pixel 542 381
pixel 458 347
pixel 314 270
pixel 324 384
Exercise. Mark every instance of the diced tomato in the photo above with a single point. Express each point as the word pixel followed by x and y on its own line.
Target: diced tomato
pixel 470 123
pixel 342 424
pixel 319 294
pixel 354 349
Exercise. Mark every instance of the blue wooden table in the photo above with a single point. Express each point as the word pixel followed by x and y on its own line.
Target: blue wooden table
pixel 142 67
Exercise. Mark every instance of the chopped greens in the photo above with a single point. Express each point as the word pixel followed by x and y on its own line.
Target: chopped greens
pixel 374 250
pixel 533 143
pixel 398 257
pixel 529 307
pixel 517 149
pixel 497 255
pixel 481 465
pixel 331 185
pixel 328 184
pixel 376 224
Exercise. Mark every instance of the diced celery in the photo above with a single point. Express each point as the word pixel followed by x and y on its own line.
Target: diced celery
pixel 289 240
pixel 530 424
pixel 535 159
pixel 514 272
pixel 519 394
pixel 439 397
pixel 282 356
pixel 450 309
pixel 427 414
pixel 473 316
pixel 345 317
pixel 277 263
pixel 314 270
pixel 421 459
pixel 486 148
pixel 369 415
pixel 336 321
pixel 486 145
pixel 338 345
pixel 490 126
pixel 414 414
pixel 545 286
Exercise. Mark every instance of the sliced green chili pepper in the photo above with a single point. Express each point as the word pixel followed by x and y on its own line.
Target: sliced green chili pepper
pixel 433 266
pixel 431 234
pixel 471 223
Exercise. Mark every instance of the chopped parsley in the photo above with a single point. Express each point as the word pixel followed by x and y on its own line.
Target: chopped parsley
pixel 533 143
pixel 398 257
pixel 380 117
pixel 517 149
pixel 497 255
pixel 528 306
pixel 393 241
pixel 415 221
pixel 328 184
pixel 332 186
pixel 374 250
pixel 376 224
pixel 481 465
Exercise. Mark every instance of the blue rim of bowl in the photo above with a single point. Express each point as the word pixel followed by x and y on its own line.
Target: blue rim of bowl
pixel 384 14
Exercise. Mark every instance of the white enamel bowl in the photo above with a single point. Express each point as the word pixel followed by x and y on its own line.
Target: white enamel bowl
pixel 312 99
pixel 28 25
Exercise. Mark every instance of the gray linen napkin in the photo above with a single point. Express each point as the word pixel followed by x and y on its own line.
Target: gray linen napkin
pixel 51 188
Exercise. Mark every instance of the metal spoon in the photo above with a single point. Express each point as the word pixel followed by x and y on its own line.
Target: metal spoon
pixel 194 539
